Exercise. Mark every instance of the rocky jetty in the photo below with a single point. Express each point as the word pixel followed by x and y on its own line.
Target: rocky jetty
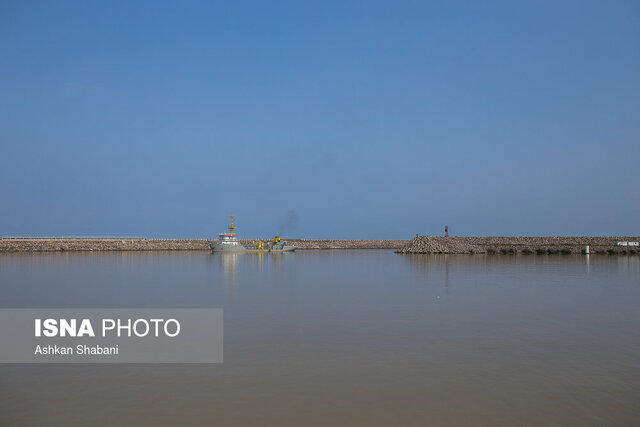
pixel 518 244
pixel 107 244
pixel 142 244
pixel 347 244
pixel 421 244
pixel 437 245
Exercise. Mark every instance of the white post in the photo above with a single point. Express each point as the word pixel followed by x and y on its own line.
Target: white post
pixel 586 250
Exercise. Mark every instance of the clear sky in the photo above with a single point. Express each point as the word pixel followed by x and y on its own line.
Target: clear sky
pixel 326 120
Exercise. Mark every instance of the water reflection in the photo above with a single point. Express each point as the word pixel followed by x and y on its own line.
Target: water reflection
pixel 631 264
pixel 446 269
pixel 518 340
pixel 227 263
pixel 587 261
pixel 230 263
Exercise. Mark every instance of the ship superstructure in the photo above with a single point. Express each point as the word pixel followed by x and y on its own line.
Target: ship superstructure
pixel 227 242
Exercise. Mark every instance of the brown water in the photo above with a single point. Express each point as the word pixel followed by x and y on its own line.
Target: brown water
pixel 347 338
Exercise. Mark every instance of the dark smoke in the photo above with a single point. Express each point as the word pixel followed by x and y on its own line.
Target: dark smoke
pixel 289 222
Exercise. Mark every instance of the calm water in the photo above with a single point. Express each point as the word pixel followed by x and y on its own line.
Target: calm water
pixel 347 338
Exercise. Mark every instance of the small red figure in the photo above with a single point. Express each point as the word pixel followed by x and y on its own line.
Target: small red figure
pixel 446 231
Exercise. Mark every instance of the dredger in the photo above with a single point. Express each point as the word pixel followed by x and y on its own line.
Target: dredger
pixel 228 242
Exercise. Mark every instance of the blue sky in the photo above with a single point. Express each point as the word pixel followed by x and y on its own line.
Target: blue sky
pixel 367 119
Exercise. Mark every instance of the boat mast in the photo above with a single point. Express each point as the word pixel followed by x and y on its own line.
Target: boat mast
pixel 232 227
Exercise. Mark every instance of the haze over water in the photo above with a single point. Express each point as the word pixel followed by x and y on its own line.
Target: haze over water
pixel 346 338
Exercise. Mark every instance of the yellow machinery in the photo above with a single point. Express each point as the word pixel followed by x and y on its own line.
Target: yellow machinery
pixel 259 245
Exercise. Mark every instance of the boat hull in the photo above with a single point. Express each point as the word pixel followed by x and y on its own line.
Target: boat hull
pixel 226 248
pixel 220 248
pixel 284 249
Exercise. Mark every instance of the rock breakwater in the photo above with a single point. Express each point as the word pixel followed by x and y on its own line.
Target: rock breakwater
pixel 61 245
pixel 518 244
pixel 347 244
pixel 142 244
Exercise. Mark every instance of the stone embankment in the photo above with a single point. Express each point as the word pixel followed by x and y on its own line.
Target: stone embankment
pixel 348 244
pixel 142 244
pixel 513 245
pixel 421 244
pixel 137 244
